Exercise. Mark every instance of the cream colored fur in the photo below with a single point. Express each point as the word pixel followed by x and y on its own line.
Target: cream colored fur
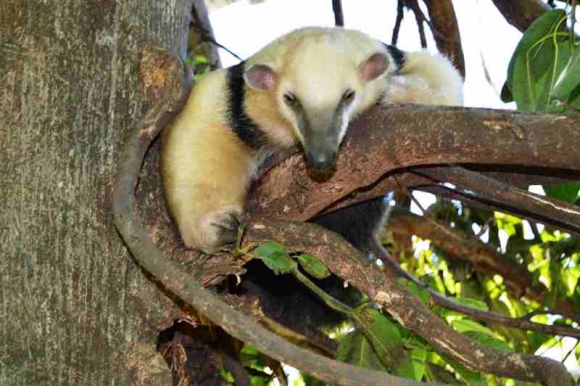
pixel 206 168
pixel 426 79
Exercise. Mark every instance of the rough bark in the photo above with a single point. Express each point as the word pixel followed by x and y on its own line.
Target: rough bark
pixel 71 307
pixel 500 141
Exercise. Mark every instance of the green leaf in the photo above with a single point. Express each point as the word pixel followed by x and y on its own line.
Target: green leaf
pixel 313 266
pixel 465 325
pixel 568 192
pixel 200 59
pixel 413 367
pixel 546 102
pixel 472 378
pixel 480 305
pixel 507 223
pixel 381 333
pixel 570 278
pixel 269 247
pixel 280 262
pixel 276 257
pixel 539 29
pixel 487 340
pixel 534 65
pixel 569 78
pixel 227 376
pixel 355 349
pixel 506 94
pixel 416 342
pixel 437 374
pixel 422 293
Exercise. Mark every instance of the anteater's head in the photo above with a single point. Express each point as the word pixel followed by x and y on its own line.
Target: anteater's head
pixel 319 87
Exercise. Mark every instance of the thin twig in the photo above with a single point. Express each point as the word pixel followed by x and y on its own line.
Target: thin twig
pixel 506 197
pixel 398 21
pixel 207 35
pixel 413 5
pixel 338 15
pixel 570 352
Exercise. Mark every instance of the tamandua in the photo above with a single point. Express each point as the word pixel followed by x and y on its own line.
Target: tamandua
pixel 305 86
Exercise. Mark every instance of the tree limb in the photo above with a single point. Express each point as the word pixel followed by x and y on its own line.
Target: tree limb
pixel 505 197
pixel 389 139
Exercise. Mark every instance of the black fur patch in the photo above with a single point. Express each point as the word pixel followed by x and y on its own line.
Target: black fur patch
pixel 358 223
pixel 397 55
pixel 244 127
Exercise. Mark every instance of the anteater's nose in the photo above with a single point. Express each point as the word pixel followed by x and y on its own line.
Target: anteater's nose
pixel 321 160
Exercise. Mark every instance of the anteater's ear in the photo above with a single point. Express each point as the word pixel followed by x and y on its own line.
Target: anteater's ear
pixel 373 67
pixel 261 77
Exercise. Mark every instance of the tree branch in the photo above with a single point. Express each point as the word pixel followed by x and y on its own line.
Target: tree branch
pixel 509 198
pixel 346 262
pixel 173 277
pixel 390 139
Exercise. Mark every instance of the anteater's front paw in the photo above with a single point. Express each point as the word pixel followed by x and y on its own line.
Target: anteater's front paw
pixel 224 228
pixel 213 231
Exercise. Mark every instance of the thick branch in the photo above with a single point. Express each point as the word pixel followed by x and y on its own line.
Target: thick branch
pixel 173 277
pixel 522 13
pixel 404 306
pixel 391 138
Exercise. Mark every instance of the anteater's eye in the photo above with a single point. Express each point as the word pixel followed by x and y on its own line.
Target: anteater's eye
pixel 290 99
pixel 348 96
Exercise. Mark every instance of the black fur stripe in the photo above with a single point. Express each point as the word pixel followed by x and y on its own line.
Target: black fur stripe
pixel 244 127
pixel 397 55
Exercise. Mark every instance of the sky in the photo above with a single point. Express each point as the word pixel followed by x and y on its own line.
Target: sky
pixel 486 37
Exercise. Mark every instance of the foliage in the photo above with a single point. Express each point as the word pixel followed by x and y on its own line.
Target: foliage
pixel 544 76
pixel 200 64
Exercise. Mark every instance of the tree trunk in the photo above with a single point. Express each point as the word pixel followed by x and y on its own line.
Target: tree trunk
pixel 70 89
